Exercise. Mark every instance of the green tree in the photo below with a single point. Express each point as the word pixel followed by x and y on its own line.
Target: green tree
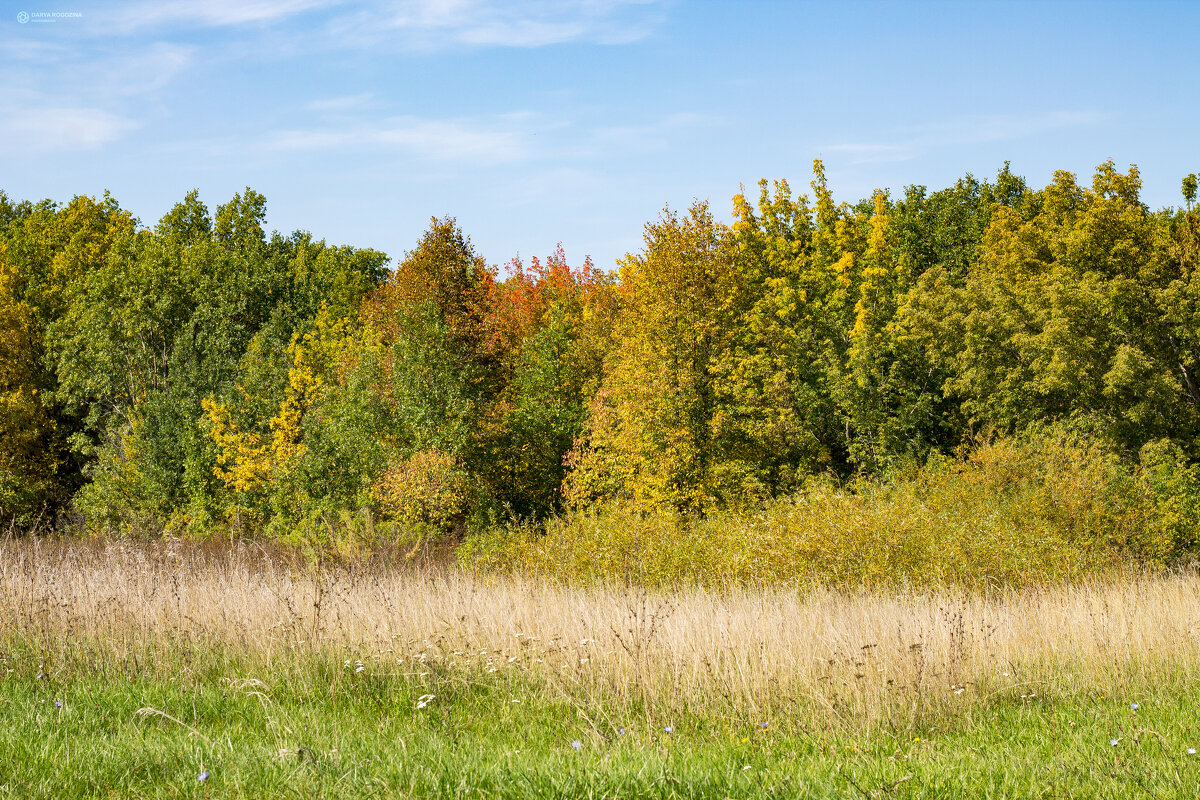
pixel 163 323
pixel 46 250
pixel 28 460
pixel 1062 315
pixel 437 369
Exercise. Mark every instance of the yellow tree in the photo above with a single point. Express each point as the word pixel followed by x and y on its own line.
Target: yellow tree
pixel 776 413
pixel 650 436
pixel 27 464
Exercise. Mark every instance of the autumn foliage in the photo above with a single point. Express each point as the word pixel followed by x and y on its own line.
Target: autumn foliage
pixel 203 375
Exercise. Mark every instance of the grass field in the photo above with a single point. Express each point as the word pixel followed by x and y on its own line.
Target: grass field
pixel 134 670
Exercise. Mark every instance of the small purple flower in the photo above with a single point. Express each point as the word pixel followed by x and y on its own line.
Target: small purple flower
pixel 578 745
pixel 203 776
pixel 1114 742
pixel 763 725
pixel 41 675
pixel 1133 706
pixel 620 731
pixel 58 703
pixel 668 729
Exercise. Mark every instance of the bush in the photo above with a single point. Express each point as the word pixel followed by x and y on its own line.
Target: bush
pixel 1052 507
pixel 430 488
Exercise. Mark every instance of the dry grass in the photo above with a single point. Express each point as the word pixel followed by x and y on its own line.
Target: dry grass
pixel 821 656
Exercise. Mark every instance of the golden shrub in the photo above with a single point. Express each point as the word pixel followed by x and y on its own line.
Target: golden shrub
pixel 430 488
pixel 1041 511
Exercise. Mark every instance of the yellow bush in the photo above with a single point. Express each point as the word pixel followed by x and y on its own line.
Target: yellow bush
pixel 1044 510
pixel 429 488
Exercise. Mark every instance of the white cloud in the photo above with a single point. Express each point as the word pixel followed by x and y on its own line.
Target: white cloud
pixel 505 138
pixel 351 102
pixel 520 32
pixel 438 24
pixel 502 139
pixel 63 99
pixel 140 70
pixel 206 13
pixel 979 129
pixel 29 50
pixel 655 135
pixel 416 24
pixel 48 129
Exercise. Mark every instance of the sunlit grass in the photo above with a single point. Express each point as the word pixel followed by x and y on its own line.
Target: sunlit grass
pixel 171 660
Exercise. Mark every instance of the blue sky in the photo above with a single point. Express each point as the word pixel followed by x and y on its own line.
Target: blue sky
pixel 540 121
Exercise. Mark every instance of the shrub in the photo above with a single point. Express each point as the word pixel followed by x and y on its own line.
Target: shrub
pixel 429 488
pixel 1052 507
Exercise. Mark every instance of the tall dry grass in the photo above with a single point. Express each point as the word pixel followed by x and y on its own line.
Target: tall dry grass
pixel 821 657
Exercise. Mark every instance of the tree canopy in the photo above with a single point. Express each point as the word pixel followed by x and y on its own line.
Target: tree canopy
pixel 202 373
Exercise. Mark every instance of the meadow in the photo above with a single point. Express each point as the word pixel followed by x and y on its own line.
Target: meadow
pixel 895 495
pixel 183 669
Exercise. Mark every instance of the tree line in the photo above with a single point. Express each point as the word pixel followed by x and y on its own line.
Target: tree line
pixel 202 375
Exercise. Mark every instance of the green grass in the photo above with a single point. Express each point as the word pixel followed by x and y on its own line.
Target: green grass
pixel 130 670
pixel 308 725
